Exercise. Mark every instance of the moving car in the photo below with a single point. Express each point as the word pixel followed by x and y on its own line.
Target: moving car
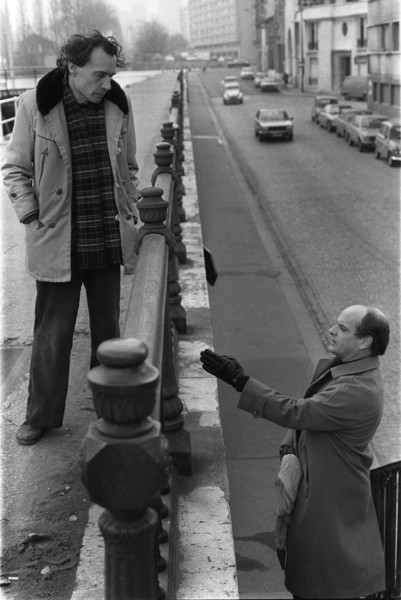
pixel 230 78
pixel 273 123
pixel 345 117
pixel 320 102
pixel 327 118
pixel 388 142
pixel 363 129
pixel 355 87
pixel 232 93
pixel 247 73
pixel 258 78
pixel 269 84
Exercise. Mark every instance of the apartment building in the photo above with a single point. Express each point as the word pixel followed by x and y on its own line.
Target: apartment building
pixel 384 56
pixel 326 41
pixel 223 27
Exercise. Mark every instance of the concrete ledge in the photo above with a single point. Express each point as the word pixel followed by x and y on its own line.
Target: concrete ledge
pixel 202 556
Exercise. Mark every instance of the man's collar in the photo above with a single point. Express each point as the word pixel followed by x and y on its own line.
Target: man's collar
pixel 356 366
pixel 49 92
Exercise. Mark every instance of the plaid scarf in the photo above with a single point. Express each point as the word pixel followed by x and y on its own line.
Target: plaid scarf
pixel 95 231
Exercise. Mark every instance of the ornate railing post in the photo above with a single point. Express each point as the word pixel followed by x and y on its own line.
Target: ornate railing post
pixel 170 135
pixel 125 465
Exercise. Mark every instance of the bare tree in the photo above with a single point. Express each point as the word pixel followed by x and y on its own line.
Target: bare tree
pixel 82 16
pixel 153 38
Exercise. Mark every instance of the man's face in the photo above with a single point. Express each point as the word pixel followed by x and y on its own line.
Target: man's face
pixel 343 342
pixel 91 82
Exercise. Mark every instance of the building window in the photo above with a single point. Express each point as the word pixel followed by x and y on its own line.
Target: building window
pixel 395 95
pixel 384 42
pixel 396 36
pixel 375 92
pixel 313 40
pixel 362 41
pixel 384 93
pixel 345 29
pixel 313 71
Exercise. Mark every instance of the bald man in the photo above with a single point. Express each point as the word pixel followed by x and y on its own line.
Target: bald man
pixel 334 550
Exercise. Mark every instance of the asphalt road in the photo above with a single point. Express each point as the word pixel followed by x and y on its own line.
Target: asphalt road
pixel 298 231
pixel 334 213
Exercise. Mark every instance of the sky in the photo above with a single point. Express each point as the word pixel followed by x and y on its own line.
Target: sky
pixel 151 6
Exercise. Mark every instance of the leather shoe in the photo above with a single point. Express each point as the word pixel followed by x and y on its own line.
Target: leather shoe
pixel 29 434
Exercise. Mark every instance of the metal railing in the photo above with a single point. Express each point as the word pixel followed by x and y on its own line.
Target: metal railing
pixel 7 110
pixel 386 490
pixel 125 462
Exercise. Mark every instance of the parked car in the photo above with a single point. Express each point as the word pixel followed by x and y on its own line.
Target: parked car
pixel 327 118
pixel 232 93
pixel 388 142
pixel 247 73
pixel 239 62
pixel 273 123
pixel 363 129
pixel 320 102
pixel 259 75
pixel 345 117
pixel 269 84
pixel 355 87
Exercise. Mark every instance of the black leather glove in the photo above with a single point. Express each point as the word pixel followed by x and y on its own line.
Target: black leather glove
pixel 224 367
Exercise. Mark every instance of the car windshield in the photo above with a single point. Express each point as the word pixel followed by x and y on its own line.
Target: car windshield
pixel 395 133
pixel 273 115
pixel 232 85
pixel 371 123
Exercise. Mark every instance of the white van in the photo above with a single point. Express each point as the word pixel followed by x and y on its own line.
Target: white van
pixel 355 87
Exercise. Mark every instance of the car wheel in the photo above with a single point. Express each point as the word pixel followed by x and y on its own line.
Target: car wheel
pixel 360 146
pixel 377 154
pixel 350 142
pixel 390 160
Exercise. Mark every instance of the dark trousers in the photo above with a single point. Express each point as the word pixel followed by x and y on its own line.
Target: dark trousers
pixel 56 311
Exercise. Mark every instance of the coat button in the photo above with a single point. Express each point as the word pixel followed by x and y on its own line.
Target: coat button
pixel 13 194
pixel 59 191
pixel 128 217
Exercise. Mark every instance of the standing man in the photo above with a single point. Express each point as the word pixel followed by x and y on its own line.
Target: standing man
pixel 334 548
pixel 70 171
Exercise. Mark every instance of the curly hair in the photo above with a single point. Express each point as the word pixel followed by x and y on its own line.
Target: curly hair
pixel 78 49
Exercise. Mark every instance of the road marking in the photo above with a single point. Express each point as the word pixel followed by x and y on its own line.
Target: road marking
pixel 207 137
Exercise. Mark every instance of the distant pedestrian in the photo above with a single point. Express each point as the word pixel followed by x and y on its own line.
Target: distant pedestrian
pixel 334 549
pixel 285 78
pixel 71 174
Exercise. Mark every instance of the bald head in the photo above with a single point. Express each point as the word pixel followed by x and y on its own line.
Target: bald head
pixel 360 331
pixel 375 324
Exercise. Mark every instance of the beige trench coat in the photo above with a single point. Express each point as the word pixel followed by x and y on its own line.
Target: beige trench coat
pixel 37 173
